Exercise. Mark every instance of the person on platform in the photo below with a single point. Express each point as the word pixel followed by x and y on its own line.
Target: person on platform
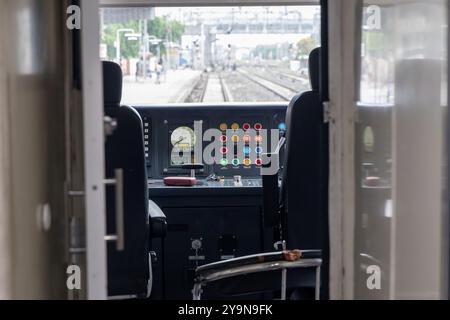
pixel 159 70
pixel 139 66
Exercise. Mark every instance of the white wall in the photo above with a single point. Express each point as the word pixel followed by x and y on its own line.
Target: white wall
pixel 5 162
pixel 419 140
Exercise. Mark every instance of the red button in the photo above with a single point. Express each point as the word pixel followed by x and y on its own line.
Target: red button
pixel 246 126
pixel 223 150
pixel 223 138
pixel 258 162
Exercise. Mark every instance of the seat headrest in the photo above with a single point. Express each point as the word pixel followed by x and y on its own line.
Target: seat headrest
pixel 112 83
pixel 314 69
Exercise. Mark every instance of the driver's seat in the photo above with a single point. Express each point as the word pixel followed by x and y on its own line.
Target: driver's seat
pixel 293 210
pixel 130 214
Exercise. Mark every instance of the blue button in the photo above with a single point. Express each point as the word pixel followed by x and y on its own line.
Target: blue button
pixel 259 150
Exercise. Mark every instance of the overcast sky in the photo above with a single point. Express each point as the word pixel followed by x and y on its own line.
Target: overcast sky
pixel 177 13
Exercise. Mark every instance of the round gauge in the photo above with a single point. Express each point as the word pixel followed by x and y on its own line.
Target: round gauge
pixel 183 137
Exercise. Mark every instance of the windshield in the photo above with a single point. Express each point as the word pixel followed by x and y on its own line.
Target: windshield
pixel 211 54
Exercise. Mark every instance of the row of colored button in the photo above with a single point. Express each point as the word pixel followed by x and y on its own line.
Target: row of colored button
pixel 246 139
pixel 245 126
pixel 247 150
pixel 236 162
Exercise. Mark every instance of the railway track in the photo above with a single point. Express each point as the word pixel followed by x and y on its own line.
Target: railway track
pixel 210 88
pixel 197 92
pixel 283 78
pixel 279 89
pixel 227 96
pixel 293 77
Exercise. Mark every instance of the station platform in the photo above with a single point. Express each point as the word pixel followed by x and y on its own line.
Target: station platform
pixel 173 86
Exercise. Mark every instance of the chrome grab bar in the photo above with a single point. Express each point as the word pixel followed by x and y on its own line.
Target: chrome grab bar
pixel 203 279
pixel 119 237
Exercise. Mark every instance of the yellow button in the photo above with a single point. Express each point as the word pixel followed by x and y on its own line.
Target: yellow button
pixel 235 126
pixel 223 127
pixel 235 138
pixel 247 162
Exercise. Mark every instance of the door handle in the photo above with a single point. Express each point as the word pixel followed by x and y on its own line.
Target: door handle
pixel 119 237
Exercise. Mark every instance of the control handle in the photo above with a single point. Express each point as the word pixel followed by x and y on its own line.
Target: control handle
pixel 193 167
pixel 119 237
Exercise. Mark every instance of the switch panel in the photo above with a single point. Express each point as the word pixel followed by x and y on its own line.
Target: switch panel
pixel 147 139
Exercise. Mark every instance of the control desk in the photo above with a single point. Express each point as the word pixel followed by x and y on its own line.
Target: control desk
pixel 213 220
pixel 228 139
pixel 208 188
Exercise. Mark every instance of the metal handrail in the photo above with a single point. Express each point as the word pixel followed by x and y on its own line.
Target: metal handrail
pixel 202 280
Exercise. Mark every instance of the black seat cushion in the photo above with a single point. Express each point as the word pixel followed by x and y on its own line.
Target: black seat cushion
pixel 301 180
pixel 128 270
pixel 112 84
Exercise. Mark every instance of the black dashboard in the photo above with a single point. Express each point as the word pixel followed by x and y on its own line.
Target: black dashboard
pixel 228 139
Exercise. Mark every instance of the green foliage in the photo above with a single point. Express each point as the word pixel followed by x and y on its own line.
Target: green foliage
pixel 161 27
pixel 129 49
pixel 165 29
pixel 305 46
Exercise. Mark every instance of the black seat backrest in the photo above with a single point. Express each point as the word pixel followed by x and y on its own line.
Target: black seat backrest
pixel 128 271
pixel 301 184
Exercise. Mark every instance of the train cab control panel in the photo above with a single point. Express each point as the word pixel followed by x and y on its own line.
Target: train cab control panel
pixel 228 140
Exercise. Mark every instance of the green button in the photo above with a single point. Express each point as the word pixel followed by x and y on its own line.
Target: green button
pixel 236 162
pixel 224 162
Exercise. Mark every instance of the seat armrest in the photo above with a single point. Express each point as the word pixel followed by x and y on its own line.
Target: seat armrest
pixel 158 221
pixel 259 263
pixel 311 254
pixel 271 200
pixel 271 187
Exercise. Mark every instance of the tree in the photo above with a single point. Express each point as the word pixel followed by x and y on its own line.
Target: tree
pixel 161 27
pixel 128 49
pixel 305 46
pixel 165 29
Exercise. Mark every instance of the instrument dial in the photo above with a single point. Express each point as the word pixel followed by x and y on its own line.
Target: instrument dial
pixel 183 138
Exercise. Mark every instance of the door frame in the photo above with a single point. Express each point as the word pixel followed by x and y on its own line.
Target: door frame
pixel 94 157
pixel 342 20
